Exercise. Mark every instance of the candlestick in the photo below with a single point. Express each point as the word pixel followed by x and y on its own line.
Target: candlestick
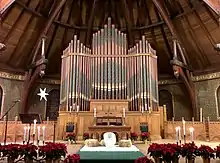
pixel 35 122
pixel 25 134
pixel 43 133
pixel 38 133
pixel 191 131
pixel 180 135
pixel 200 114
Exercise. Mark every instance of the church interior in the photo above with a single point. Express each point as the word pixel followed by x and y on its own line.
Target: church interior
pixel 81 69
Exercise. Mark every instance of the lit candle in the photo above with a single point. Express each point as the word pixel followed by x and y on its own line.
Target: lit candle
pixel 35 122
pixel 124 112
pixel 38 133
pixel 191 131
pixel 77 108
pixel 25 133
pixel 184 127
pixel 200 114
pixel 177 134
pixel 94 112
pixel 43 133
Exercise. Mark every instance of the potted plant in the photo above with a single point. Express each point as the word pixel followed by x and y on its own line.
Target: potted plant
pixel 74 158
pixel 52 152
pixel 144 136
pixel 134 136
pixel 217 151
pixel 86 136
pixel 144 159
pixel 29 152
pixel 155 151
pixel 171 153
pixel 190 151
pixel 206 153
pixel 71 137
pixel 11 151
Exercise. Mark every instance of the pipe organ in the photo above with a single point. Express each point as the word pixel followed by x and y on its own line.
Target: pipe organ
pixel 109 70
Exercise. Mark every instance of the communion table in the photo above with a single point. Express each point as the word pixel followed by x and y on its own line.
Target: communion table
pixel 122 131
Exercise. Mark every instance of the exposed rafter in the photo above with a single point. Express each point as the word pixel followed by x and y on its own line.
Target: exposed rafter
pixel 128 20
pixel 45 30
pixel 90 23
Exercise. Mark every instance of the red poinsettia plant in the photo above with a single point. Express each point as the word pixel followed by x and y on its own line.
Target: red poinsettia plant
pixel 134 136
pixel 12 151
pixel 71 137
pixel 74 158
pixel 145 136
pixel 171 152
pixel 29 151
pixel 217 151
pixel 206 152
pixel 144 159
pixel 86 136
pixel 53 151
pixel 155 150
pixel 189 150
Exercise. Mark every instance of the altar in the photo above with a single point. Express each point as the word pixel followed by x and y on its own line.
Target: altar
pixel 123 132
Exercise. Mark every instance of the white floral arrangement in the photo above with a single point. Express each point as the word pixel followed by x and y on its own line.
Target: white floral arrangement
pixel 91 142
pixel 125 143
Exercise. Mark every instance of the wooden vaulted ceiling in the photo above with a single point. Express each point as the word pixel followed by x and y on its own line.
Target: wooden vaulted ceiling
pixel 195 22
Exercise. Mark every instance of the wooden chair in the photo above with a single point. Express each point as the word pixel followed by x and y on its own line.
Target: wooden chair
pixel 70 129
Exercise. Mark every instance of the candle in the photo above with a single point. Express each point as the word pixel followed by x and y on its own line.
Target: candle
pixel 142 110
pixel 191 131
pixel 70 109
pixel 47 120
pixel 25 133
pixel 43 133
pixel 77 108
pixel 94 112
pixel 35 122
pixel 43 46
pixel 184 127
pixel 28 131
pixel 200 114
pixel 124 112
pixel 177 134
pixel 149 109
pixel 145 107
pixel 38 133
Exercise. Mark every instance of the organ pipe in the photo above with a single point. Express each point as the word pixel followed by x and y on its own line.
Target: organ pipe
pixel 109 70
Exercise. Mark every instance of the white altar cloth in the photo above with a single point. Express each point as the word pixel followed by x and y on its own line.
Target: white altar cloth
pixel 113 149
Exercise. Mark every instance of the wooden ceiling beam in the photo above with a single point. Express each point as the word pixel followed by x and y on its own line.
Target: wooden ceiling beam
pixel 128 21
pixel 45 30
pixel 90 22
pixel 154 25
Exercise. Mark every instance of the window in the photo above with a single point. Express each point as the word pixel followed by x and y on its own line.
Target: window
pixel 53 102
pixel 165 98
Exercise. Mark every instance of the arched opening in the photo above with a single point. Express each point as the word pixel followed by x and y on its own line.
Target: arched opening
pixel 53 102
pixel 165 98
